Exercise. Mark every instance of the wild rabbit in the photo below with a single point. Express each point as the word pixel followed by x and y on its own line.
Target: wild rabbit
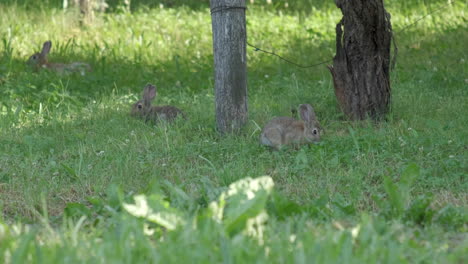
pixel 39 60
pixel 144 110
pixel 282 131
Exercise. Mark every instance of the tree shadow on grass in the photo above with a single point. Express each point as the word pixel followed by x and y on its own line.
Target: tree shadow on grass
pixel 53 147
pixel 189 75
pixel 183 73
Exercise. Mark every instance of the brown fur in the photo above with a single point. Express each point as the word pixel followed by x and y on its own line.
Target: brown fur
pixel 39 61
pixel 282 131
pixel 144 110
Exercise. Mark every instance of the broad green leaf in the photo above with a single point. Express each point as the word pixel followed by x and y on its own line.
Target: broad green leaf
pixel 394 196
pixel 409 175
pixel 245 199
pixel 154 209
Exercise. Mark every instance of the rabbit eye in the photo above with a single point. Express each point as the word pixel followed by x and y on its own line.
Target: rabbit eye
pixel 34 57
pixel 315 132
pixel 139 106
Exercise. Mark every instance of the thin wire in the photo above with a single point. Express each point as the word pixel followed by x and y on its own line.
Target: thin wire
pixel 298 65
pixel 224 8
pixel 421 18
pixel 323 62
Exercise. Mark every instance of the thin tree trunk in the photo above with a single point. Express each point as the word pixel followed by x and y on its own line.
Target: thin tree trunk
pixel 230 63
pixel 86 10
pixel 361 66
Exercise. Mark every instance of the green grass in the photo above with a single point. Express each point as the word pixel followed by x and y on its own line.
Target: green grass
pixel 71 156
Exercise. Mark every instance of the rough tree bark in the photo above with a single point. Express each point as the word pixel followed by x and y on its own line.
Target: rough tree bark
pixel 230 63
pixel 86 10
pixel 361 65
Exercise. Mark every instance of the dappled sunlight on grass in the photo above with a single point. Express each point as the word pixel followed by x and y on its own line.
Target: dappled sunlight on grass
pixel 99 186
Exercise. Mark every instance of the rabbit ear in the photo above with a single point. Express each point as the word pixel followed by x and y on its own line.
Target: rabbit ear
pixel 46 48
pixel 307 113
pixel 149 93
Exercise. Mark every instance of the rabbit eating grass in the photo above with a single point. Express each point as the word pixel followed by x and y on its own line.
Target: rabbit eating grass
pixel 282 131
pixel 144 110
pixel 39 60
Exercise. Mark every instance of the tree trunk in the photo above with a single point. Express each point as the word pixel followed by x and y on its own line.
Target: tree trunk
pixel 86 10
pixel 230 64
pixel 361 66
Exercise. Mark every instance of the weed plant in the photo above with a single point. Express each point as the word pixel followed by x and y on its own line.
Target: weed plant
pixel 82 181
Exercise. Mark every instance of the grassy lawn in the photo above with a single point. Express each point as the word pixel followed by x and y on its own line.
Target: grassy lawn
pixel 77 171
